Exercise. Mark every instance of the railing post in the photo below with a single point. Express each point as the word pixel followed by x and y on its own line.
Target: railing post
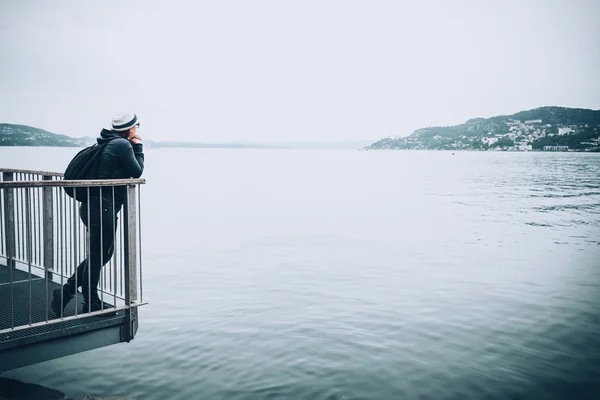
pixel 48 228
pixel 9 221
pixel 130 262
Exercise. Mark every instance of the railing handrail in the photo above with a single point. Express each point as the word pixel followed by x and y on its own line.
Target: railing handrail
pixel 27 171
pixel 37 218
pixel 73 183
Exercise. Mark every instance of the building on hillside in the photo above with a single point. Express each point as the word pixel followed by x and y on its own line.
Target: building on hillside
pixel 489 140
pixel 556 148
pixel 564 131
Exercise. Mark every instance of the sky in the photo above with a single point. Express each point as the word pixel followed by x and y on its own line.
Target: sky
pixel 281 71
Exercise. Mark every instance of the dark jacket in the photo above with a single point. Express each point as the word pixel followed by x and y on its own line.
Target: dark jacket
pixel 120 159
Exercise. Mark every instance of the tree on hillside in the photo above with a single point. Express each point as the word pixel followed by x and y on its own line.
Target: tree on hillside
pixel 504 142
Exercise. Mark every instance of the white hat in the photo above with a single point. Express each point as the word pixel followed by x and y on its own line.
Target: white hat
pixel 124 121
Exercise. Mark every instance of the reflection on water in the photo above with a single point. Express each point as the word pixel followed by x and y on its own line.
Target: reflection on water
pixel 359 275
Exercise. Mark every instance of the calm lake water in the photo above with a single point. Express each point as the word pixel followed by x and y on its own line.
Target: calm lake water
pixel 337 274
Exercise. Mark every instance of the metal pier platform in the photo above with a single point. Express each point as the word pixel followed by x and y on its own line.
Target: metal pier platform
pixel 42 240
pixel 35 339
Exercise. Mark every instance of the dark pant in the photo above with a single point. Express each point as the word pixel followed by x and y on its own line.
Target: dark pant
pixel 101 227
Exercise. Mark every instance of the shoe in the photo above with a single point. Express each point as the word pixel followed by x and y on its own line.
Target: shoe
pixel 60 296
pixel 97 306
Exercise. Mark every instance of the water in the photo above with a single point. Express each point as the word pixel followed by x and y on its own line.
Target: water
pixel 337 274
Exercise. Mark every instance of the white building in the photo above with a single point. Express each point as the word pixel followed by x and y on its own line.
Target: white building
pixel 556 148
pixel 489 140
pixel 534 121
pixel 564 131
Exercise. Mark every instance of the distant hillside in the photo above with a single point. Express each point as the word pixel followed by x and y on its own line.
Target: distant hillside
pixel 579 129
pixel 23 135
pixel 349 144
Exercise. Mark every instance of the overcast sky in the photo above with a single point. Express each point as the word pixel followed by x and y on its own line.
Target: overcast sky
pixel 276 71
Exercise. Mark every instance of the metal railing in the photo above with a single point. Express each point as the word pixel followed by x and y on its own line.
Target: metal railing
pixel 42 235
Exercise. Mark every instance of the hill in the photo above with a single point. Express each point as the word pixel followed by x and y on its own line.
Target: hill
pixel 23 135
pixel 576 128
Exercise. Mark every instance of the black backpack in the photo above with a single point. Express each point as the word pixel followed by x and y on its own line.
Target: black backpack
pixel 84 166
